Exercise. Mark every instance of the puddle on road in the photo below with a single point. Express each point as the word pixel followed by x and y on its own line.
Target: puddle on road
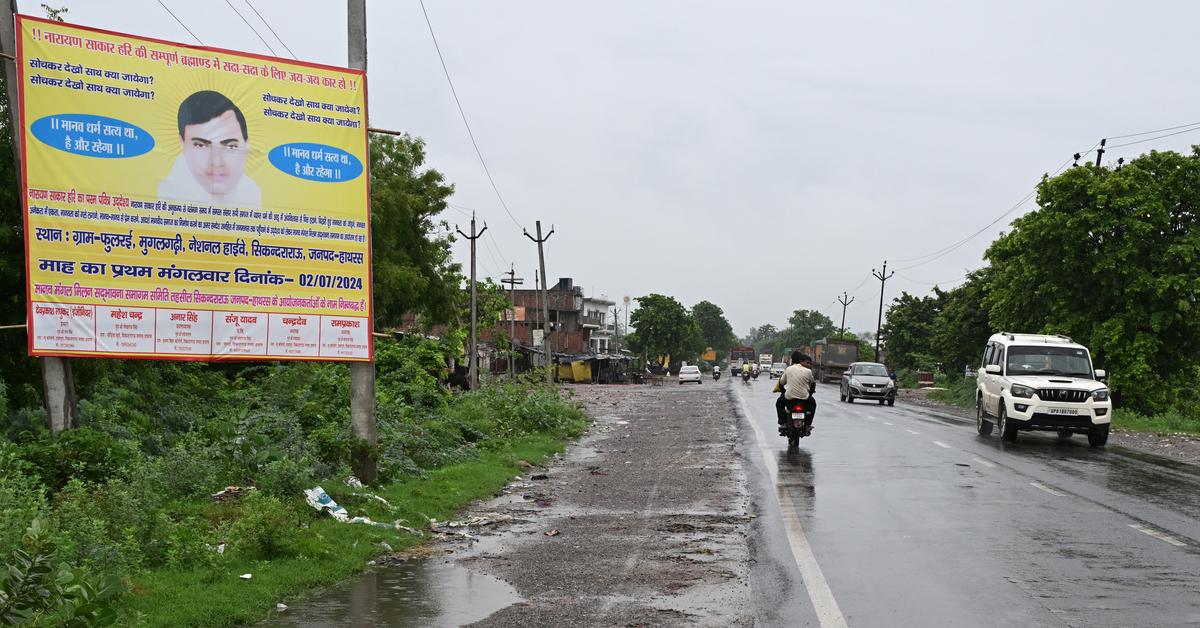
pixel 414 593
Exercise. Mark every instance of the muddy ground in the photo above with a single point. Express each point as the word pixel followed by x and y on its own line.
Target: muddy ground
pixel 1180 447
pixel 643 522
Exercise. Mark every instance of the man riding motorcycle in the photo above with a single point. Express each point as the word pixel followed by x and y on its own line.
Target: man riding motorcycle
pixel 797 383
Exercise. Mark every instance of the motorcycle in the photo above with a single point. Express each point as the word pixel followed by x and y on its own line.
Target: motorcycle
pixel 799 419
pixel 716 375
pixel 746 377
pixel 754 373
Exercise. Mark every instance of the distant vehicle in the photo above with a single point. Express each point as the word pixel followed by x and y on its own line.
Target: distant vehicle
pixel 1037 382
pixel 777 369
pixel 868 380
pixel 739 356
pixel 764 361
pixel 832 357
pixel 689 374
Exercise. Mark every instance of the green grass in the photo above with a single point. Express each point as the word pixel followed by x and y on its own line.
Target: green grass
pixel 326 551
pixel 1171 422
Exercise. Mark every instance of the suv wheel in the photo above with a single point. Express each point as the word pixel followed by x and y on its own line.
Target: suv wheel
pixel 981 423
pixel 841 395
pixel 1098 436
pixel 1008 431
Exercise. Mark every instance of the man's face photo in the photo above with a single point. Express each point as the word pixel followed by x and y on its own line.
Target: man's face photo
pixel 215 151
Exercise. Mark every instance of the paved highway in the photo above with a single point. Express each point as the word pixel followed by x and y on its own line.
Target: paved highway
pixel 898 516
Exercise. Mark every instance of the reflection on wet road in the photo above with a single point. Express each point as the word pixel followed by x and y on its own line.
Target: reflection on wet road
pixel 429 592
pixel 916 520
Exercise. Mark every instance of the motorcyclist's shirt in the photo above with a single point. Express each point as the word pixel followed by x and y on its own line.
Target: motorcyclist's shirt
pixel 796 382
pixel 745 368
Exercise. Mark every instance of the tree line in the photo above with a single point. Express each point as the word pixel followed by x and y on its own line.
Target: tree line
pixel 1110 257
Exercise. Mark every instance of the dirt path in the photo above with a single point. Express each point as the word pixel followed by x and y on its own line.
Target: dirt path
pixel 643 522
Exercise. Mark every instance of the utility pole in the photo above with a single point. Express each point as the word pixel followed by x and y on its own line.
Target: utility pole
pixel 1100 152
pixel 58 383
pixel 845 303
pixel 362 374
pixel 512 282
pixel 882 277
pixel 545 305
pixel 473 355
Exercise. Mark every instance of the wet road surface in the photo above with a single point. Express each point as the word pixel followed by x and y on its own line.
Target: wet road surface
pixel 682 506
pixel 913 519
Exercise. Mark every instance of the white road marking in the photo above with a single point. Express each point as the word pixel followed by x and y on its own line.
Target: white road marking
pixel 990 465
pixel 941 444
pixel 824 604
pixel 911 432
pixel 1166 538
pixel 888 423
pixel 1052 491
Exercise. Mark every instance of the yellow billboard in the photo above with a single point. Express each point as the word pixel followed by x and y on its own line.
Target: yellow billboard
pixel 191 203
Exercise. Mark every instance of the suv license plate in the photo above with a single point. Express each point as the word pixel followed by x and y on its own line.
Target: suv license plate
pixel 1067 411
pixel 797 415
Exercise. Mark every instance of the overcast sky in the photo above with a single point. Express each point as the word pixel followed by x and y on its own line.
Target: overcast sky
pixel 664 140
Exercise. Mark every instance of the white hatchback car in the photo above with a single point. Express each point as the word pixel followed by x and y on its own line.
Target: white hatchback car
pixel 689 374
pixel 1036 382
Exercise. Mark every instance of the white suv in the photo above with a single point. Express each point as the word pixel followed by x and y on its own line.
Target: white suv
pixel 1035 382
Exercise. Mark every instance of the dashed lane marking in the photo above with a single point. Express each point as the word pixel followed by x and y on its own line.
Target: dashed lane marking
pixel 1043 487
pixel 888 423
pixel 829 614
pixel 912 432
pixel 941 444
pixel 1166 538
pixel 990 465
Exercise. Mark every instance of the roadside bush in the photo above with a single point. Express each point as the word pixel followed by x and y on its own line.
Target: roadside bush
pixel 81 453
pixel 264 527
pixel 959 391
pixel 22 497
pixel 37 589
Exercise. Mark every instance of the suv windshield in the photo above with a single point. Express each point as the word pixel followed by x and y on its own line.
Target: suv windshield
pixel 1049 360
pixel 871 369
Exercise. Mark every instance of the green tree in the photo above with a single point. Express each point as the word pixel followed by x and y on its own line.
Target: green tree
pixel 807 327
pixel 411 258
pixel 908 330
pixel 664 327
pixel 962 326
pixel 1112 258
pixel 714 327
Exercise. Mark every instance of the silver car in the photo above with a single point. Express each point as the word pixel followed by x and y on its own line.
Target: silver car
pixel 868 380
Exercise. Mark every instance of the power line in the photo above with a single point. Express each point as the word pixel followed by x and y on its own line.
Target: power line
pixel 1170 128
pixel 247 22
pixel 189 31
pixel 1157 137
pixel 463 115
pixel 268 25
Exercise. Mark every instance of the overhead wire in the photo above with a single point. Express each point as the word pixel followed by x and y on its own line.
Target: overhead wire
pixel 1157 137
pixel 251 26
pixel 463 115
pixel 268 25
pixel 172 13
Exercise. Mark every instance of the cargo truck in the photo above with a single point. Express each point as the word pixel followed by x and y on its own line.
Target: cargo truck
pixel 739 356
pixel 831 357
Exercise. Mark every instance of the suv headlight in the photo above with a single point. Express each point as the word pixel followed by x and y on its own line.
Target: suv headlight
pixel 1019 390
pixel 890 384
pixel 1100 395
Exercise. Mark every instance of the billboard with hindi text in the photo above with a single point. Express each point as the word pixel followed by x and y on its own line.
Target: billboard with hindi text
pixel 191 203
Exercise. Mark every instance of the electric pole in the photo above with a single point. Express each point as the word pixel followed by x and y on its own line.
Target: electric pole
pixel 512 282
pixel 545 305
pixel 1100 152
pixel 845 303
pixel 362 374
pixel 473 355
pixel 58 383
pixel 882 277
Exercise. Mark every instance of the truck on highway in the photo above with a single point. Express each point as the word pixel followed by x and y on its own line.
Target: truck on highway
pixel 739 356
pixel 764 362
pixel 831 357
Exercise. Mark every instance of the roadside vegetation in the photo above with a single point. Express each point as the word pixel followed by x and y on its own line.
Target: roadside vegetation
pixel 1111 258
pixel 125 502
